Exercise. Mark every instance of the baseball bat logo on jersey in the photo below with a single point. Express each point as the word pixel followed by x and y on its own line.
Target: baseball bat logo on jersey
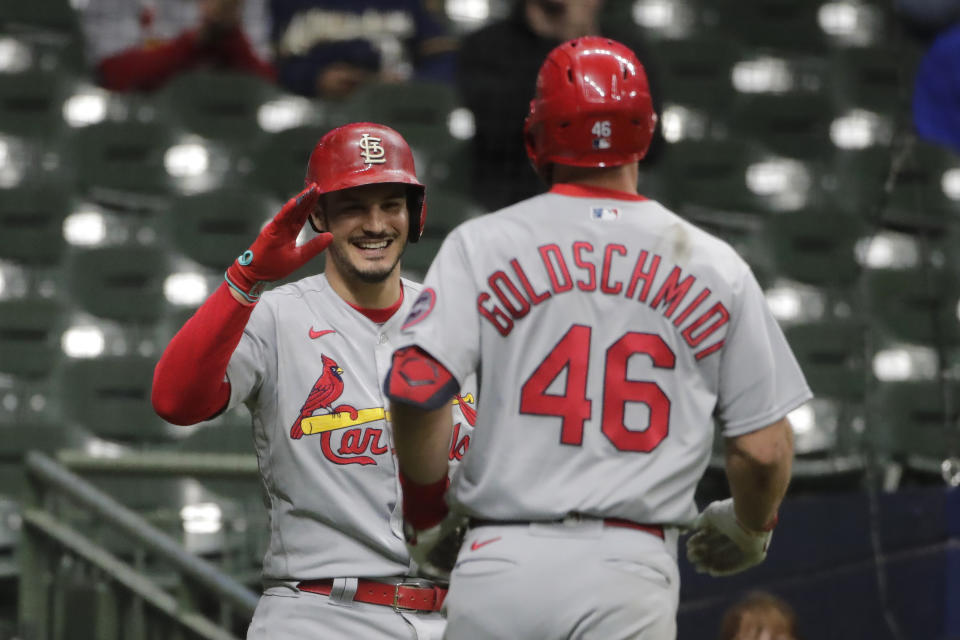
pixel 355 443
pixel 371 150
pixel 421 308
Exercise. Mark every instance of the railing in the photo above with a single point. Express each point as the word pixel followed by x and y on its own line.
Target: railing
pixel 161 592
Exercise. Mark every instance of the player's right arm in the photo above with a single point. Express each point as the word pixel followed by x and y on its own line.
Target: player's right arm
pixel 189 382
pixel 758 469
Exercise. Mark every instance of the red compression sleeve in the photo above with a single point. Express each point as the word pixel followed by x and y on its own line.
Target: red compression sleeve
pixel 424 505
pixel 148 68
pixel 188 383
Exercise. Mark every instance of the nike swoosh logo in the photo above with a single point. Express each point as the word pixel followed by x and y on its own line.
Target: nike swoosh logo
pixel 316 334
pixel 478 544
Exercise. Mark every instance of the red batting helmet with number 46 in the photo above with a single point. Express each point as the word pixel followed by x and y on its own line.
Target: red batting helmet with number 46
pixel 364 153
pixel 592 107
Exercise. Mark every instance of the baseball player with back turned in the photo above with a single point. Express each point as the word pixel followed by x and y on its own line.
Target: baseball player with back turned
pixel 607 333
pixel 309 360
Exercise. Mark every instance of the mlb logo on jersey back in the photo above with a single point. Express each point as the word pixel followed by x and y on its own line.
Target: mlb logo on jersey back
pixel 604 213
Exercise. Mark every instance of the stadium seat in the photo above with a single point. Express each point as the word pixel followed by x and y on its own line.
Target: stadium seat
pixel 110 396
pixel 217 104
pixel 31 103
pixel 925 194
pixel 918 419
pixel 815 246
pixel 916 305
pixel 832 355
pixel 878 78
pixel 126 157
pixel 32 218
pixel 795 125
pixel 30 331
pixel 213 228
pixel 712 174
pixel 778 25
pixel 280 160
pixel 445 210
pixel 696 72
pixel 123 283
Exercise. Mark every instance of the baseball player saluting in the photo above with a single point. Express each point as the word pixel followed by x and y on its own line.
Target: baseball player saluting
pixel 607 333
pixel 309 359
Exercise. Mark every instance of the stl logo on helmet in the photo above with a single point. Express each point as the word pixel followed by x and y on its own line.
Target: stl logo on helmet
pixel 371 151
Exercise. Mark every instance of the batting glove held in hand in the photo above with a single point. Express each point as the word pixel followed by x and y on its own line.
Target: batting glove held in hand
pixel 435 550
pixel 275 254
pixel 721 546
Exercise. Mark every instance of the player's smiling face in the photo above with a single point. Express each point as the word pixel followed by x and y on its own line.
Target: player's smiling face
pixel 370 225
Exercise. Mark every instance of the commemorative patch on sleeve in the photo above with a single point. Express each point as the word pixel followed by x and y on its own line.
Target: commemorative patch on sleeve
pixel 421 308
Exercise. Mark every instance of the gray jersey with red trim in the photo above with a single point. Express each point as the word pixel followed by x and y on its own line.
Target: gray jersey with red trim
pixel 607 333
pixel 310 367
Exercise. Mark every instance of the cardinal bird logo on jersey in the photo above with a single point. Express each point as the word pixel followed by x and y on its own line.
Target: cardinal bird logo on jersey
pixel 324 393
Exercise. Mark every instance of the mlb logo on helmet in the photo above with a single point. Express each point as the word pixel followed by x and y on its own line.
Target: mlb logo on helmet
pixel 371 151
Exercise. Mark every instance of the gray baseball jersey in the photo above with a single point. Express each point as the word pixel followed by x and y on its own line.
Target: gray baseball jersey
pixel 310 367
pixel 607 333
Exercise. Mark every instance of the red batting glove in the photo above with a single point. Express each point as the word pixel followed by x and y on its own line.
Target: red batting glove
pixel 275 254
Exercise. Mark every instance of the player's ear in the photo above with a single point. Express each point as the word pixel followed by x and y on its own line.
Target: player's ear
pixel 317 217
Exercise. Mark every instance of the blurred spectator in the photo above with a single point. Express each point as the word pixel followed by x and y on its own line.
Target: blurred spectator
pixel 328 48
pixel 759 616
pixel 139 45
pixel 936 95
pixel 496 71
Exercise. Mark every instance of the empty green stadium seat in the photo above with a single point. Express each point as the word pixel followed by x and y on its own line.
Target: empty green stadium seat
pixel 918 418
pixel 795 125
pixel 697 72
pixel 280 160
pixel 31 103
pixel 878 78
pixel 30 331
pixel 213 228
pixel 124 156
pixel 832 355
pixel 122 283
pixel 781 25
pixel 915 305
pixel 110 396
pixel 815 246
pixel 217 104
pixel 32 221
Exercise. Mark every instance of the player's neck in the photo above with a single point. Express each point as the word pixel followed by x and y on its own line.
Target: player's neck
pixel 622 178
pixel 367 295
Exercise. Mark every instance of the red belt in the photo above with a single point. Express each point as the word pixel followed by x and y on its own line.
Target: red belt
pixel 652 529
pixel 406 596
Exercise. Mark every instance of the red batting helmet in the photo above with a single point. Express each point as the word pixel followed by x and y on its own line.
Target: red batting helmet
pixel 366 153
pixel 592 107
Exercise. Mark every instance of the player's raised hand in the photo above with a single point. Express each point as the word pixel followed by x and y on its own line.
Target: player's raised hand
pixel 275 254
pixel 721 546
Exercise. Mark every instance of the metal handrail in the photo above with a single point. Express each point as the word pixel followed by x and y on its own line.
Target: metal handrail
pixel 119 516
